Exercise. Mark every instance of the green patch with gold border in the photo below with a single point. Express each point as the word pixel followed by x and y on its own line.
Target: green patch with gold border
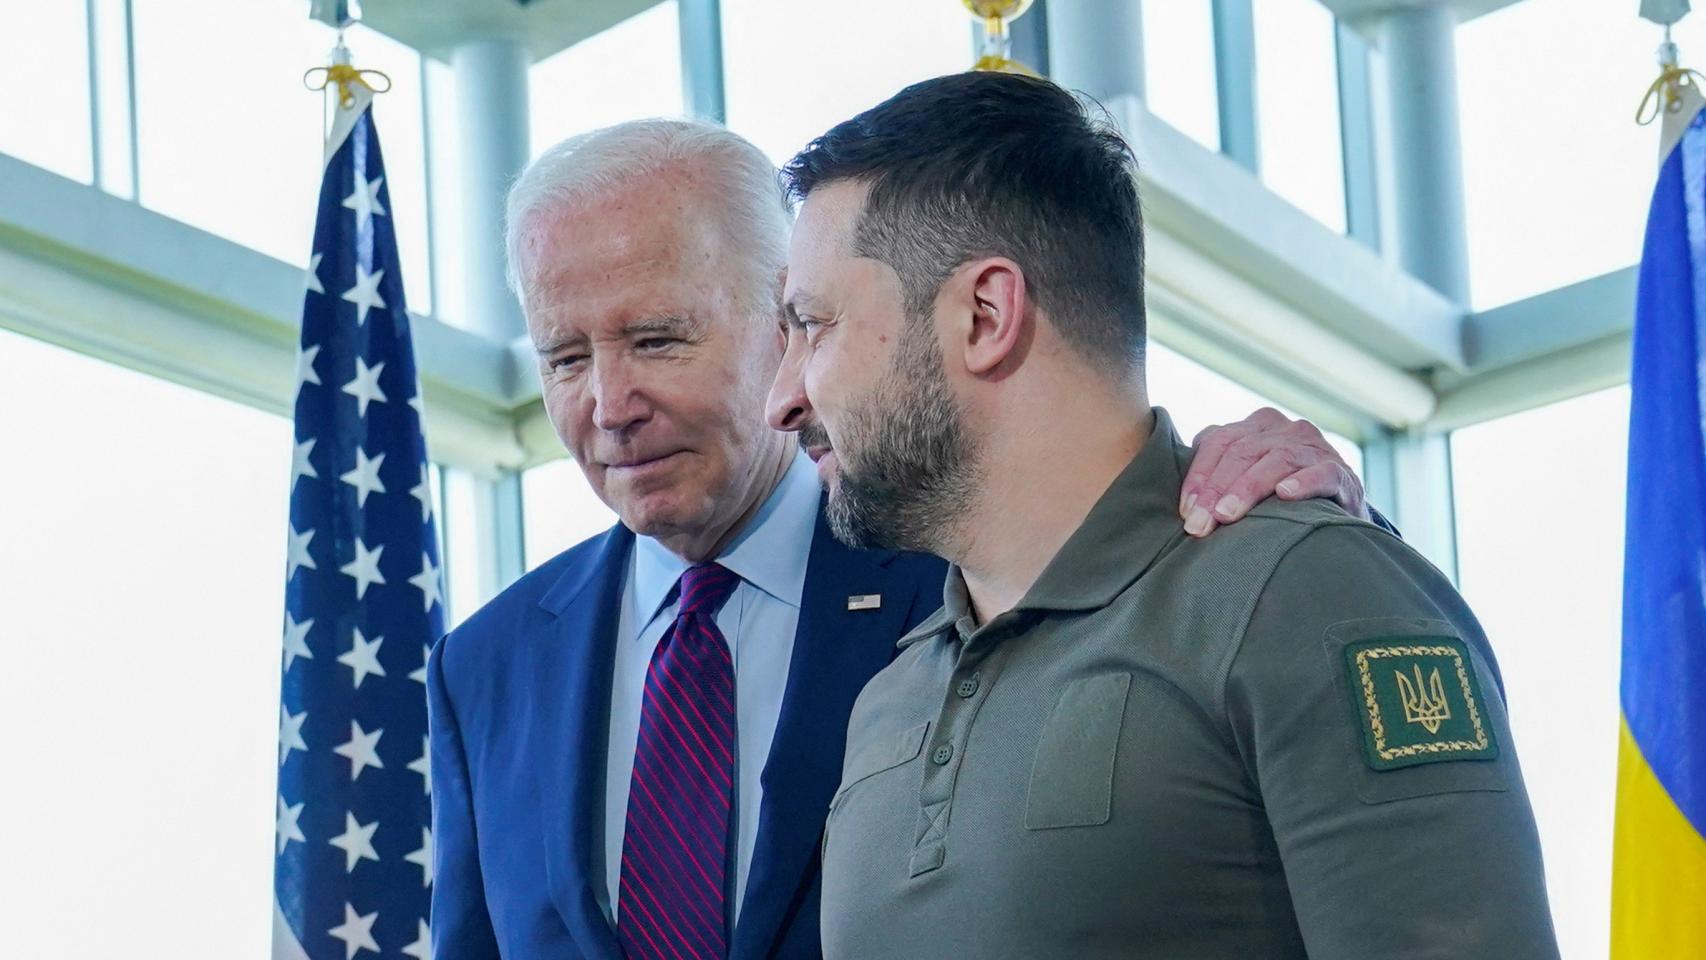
pixel 1417 700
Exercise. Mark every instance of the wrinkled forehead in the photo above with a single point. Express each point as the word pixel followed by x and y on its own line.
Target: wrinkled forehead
pixel 611 256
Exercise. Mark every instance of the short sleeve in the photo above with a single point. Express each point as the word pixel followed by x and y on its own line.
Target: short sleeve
pixel 1366 706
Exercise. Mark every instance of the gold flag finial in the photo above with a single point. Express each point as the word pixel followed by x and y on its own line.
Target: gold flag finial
pixel 997 42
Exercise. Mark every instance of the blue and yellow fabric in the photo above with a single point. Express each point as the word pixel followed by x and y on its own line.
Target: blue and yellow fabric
pixel 1659 873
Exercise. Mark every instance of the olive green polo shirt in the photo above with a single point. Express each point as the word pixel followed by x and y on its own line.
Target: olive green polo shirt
pixel 1286 740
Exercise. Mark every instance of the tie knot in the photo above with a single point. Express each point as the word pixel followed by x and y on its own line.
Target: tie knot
pixel 706 587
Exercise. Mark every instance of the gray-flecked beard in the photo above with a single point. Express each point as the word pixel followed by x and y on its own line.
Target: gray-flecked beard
pixel 907 463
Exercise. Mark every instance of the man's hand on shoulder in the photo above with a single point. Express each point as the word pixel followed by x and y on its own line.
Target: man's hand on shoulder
pixel 1266 454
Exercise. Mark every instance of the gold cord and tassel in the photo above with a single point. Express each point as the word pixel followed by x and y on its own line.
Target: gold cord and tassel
pixel 345 76
pixel 1669 92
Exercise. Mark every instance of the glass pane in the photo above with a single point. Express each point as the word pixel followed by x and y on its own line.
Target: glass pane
pixel 445 158
pixel 1557 183
pixel 559 510
pixel 1198 397
pixel 1178 68
pixel 794 68
pixel 44 88
pixel 1297 107
pixel 142 660
pixel 460 492
pixel 572 92
pixel 1540 555
pixel 240 155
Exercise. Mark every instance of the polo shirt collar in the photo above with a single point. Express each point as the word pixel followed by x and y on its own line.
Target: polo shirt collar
pixel 1117 542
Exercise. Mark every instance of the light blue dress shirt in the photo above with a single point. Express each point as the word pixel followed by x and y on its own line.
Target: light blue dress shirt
pixel 758 620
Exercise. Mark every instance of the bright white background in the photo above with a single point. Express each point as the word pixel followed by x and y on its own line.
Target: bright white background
pixel 141 524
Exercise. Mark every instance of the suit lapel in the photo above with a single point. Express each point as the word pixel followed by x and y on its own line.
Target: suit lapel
pixel 587 602
pixel 836 650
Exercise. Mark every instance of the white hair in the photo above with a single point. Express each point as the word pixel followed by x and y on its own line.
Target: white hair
pixel 745 187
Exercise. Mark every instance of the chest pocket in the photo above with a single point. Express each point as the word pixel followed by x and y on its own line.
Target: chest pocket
pixel 1072 776
pixel 883 753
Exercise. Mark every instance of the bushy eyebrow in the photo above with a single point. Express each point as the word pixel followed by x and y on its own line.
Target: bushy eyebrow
pixel 553 344
pixel 666 325
pixel 678 326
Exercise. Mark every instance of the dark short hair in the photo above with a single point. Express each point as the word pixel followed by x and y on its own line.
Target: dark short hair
pixel 996 164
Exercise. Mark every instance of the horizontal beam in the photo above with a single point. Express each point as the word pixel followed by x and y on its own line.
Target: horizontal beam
pixel 1364 15
pixel 1580 314
pixel 108 278
pixel 1226 214
pixel 436 27
pixel 1554 346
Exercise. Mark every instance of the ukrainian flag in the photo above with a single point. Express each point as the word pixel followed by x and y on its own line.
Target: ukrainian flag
pixel 1659 872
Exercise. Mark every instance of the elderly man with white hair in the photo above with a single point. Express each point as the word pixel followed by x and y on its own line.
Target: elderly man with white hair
pixel 633 747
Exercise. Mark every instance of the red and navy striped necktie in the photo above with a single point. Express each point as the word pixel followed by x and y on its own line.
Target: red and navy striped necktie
pixel 675 846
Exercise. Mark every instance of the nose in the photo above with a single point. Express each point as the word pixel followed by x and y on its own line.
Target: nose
pixel 618 400
pixel 788 409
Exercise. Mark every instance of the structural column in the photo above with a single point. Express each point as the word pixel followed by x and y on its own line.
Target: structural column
pixel 1094 46
pixel 1425 233
pixel 491 79
pixel 1425 150
pixel 493 128
pixel 701 29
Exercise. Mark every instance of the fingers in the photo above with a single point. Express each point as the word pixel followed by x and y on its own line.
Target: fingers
pixel 1211 505
pixel 1331 480
pixel 1210 444
pixel 1248 473
pixel 1325 480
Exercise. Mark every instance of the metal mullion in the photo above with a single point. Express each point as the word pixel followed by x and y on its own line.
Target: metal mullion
pixel 1356 136
pixel 1235 81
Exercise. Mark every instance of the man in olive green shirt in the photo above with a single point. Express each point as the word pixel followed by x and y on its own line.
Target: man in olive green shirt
pixel 1289 740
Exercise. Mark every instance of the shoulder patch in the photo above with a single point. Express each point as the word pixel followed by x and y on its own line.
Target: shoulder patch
pixel 1417 700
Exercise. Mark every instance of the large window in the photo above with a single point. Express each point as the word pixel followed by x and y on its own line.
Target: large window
pixel 44 88
pixel 1540 555
pixel 559 510
pixel 1178 68
pixel 143 561
pixel 1557 184
pixel 1297 101
pixel 1197 397
pixel 629 71
pixel 229 140
pixel 794 68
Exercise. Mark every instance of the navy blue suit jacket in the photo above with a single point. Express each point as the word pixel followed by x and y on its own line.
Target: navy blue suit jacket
pixel 519 699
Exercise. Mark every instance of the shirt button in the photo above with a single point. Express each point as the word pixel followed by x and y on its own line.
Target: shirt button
pixel 943 754
pixel 968 687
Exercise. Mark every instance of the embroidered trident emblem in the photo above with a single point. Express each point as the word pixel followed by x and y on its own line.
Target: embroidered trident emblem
pixel 1424 703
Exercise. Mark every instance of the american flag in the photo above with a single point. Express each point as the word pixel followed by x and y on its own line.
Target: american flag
pixel 362 592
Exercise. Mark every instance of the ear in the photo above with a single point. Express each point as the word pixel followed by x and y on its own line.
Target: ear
pixel 1000 314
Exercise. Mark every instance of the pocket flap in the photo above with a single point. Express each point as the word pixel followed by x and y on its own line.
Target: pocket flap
pixel 1072 776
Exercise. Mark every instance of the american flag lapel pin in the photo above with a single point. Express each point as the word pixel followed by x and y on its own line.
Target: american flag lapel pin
pixel 865 601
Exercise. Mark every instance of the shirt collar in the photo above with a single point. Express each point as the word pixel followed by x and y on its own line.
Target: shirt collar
pixel 1122 535
pixel 770 553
